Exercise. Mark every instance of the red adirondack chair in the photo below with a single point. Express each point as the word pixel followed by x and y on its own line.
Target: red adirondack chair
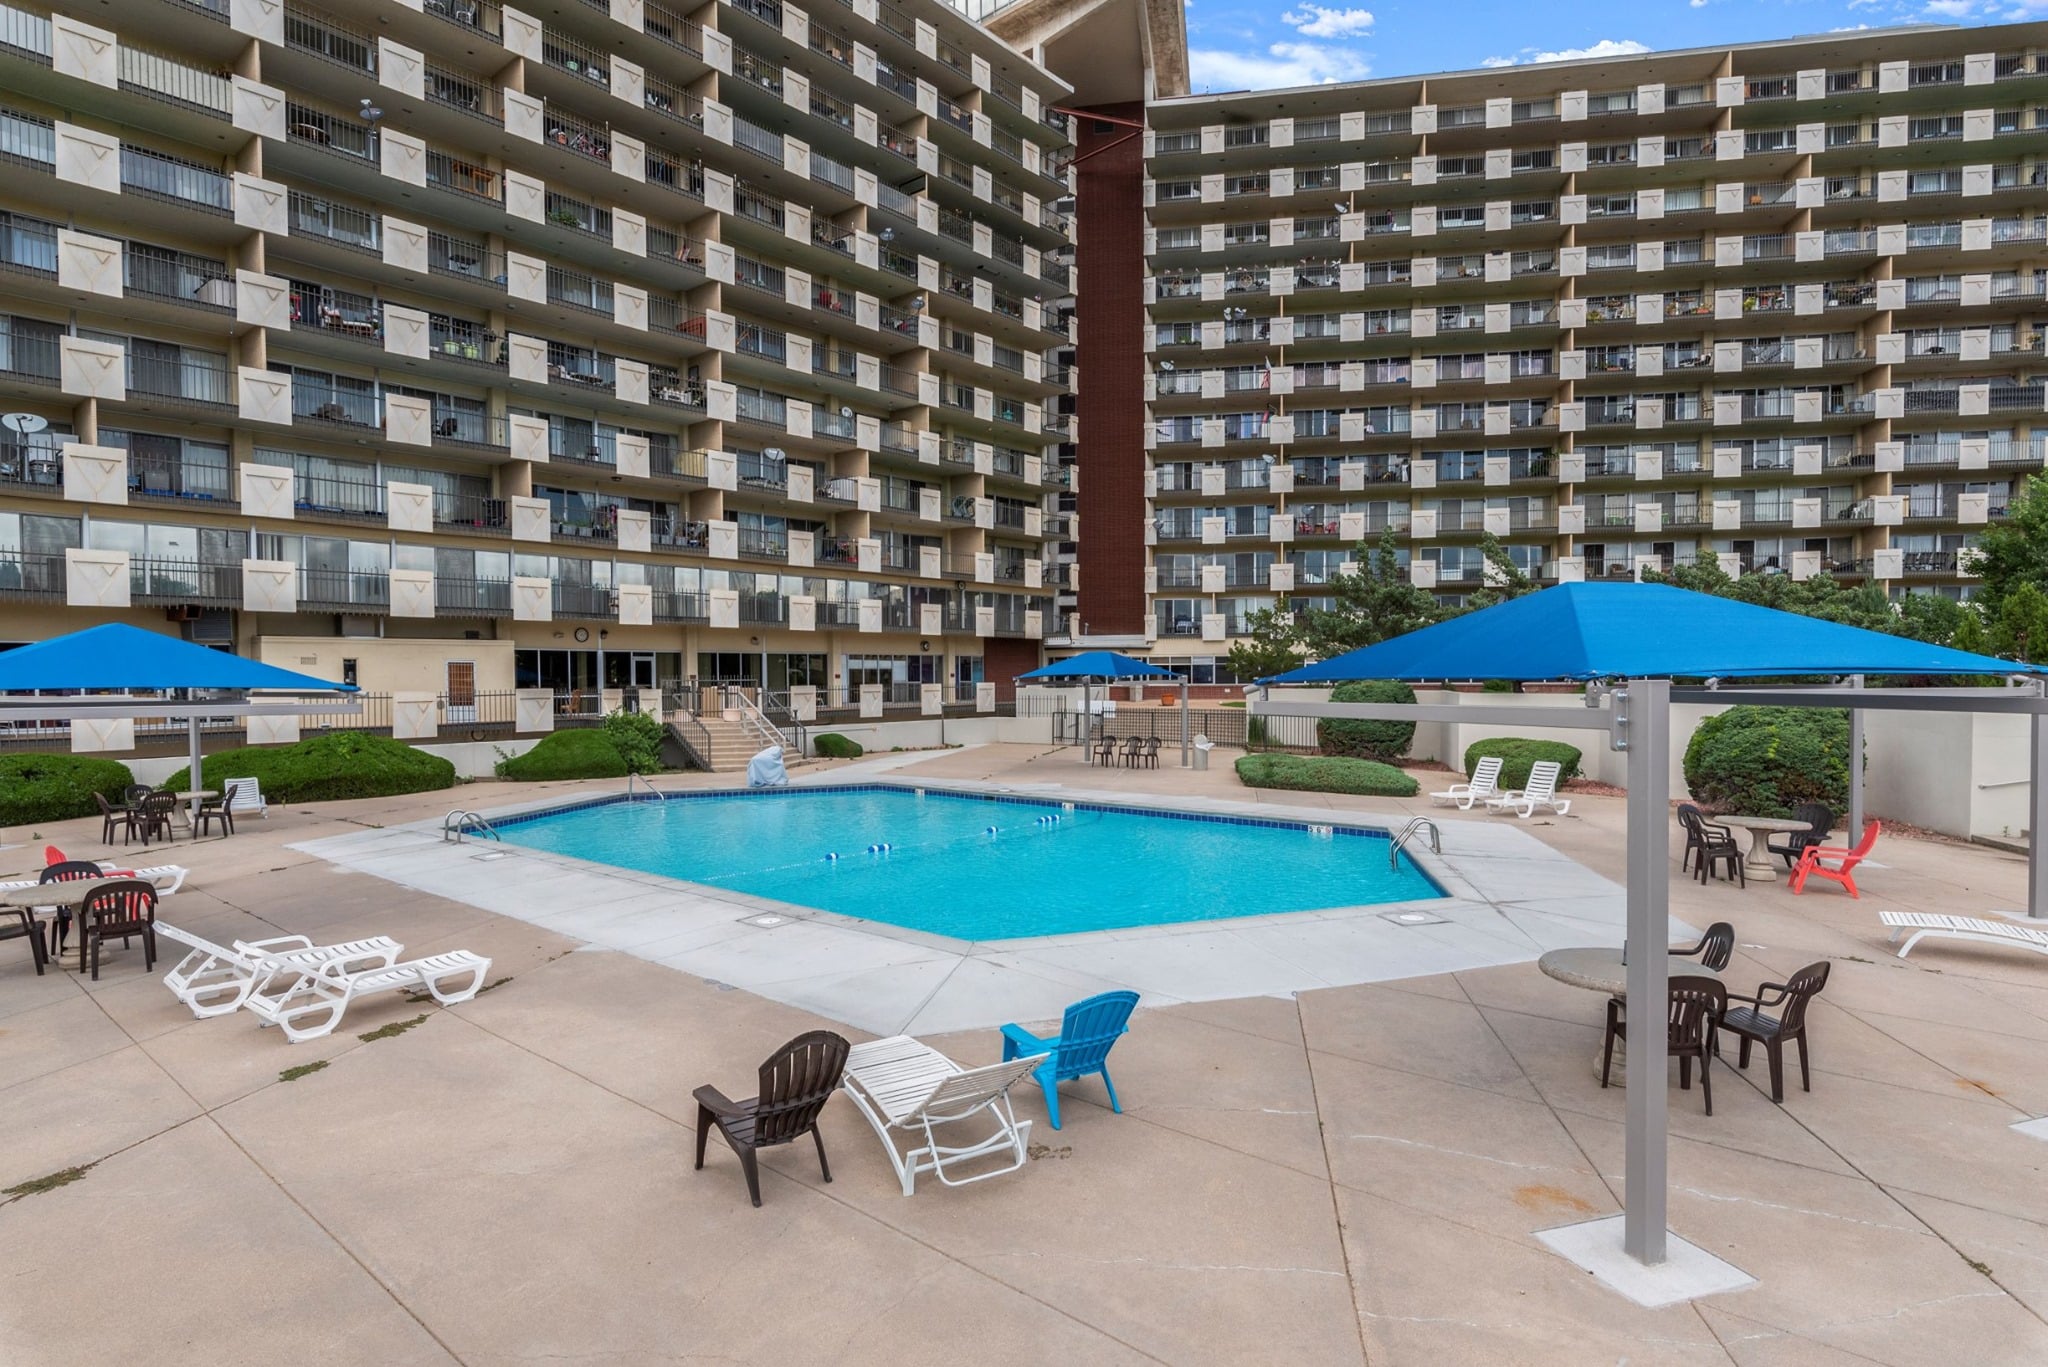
pixel 1810 862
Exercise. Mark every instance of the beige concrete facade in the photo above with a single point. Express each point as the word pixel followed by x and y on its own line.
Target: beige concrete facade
pixel 673 328
pixel 1773 307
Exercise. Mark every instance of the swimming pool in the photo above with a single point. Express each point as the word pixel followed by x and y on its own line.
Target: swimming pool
pixel 980 867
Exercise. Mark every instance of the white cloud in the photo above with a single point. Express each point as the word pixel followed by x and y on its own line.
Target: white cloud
pixel 1317 21
pixel 1281 65
pixel 1606 47
pixel 1951 9
pixel 1697 4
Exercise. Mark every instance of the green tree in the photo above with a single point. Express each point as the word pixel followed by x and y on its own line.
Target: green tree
pixel 2014 552
pixel 1271 645
pixel 1502 580
pixel 1372 601
pixel 2019 628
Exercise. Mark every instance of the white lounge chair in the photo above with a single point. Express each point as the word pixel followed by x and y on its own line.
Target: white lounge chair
pixel 1485 784
pixel 905 1088
pixel 165 878
pixel 1926 924
pixel 215 981
pixel 246 796
pixel 314 1003
pixel 1541 792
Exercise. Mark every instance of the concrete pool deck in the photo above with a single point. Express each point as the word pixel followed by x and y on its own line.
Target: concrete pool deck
pixel 1508 897
pixel 1356 1175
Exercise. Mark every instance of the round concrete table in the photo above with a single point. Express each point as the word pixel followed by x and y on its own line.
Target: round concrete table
pixel 1601 970
pixel 1756 864
pixel 45 898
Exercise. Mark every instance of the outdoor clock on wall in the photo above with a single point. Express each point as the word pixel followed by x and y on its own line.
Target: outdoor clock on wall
pixel 582 634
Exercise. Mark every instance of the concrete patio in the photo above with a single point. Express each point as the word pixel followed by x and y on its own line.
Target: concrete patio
pixel 1351 1174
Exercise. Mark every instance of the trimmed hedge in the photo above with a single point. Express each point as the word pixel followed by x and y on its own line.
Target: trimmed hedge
pixel 1764 761
pixel 327 768
pixel 1381 740
pixel 584 752
pixel 832 745
pixel 36 788
pixel 1519 755
pixel 1325 774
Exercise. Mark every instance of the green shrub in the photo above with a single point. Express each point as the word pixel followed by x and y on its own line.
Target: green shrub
pixel 637 738
pixel 832 745
pixel 582 752
pixel 1381 740
pixel 1325 774
pixel 327 768
pixel 1254 731
pixel 37 788
pixel 1764 761
pixel 1519 755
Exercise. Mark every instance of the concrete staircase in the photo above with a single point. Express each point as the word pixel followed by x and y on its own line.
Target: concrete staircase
pixel 719 745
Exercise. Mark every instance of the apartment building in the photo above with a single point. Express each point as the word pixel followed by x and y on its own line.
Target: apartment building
pixel 444 347
pixel 1778 307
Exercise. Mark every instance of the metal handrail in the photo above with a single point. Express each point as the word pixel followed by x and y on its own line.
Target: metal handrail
pixel 1414 827
pixel 755 719
pixel 459 823
pixel 642 780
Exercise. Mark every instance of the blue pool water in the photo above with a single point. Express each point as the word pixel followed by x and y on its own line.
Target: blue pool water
pixel 1043 871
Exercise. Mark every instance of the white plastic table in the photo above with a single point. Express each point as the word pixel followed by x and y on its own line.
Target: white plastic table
pixel 1756 863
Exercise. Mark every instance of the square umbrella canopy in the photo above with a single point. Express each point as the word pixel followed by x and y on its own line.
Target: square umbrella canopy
pixel 1640 631
pixel 117 656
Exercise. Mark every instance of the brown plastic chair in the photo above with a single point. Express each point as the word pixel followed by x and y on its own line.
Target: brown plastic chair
pixel 155 816
pixel 1150 754
pixel 1710 845
pixel 1715 948
pixel 796 1082
pixel 112 816
pixel 120 909
pixel 19 923
pixel 1750 1025
pixel 219 810
pixel 1132 746
pixel 1696 1007
pixel 66 871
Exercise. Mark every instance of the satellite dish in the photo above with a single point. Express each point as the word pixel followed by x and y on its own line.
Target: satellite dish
pixel 24 424
pixel 845 412
pixel 772 453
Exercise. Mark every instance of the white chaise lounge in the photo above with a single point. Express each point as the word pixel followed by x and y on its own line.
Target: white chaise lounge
pixel 1541 793
pixel 316 998
pixel 1932 924
pixel 245 795
pixel 905 1088
pixel 215 981
pixel 1485 784
pixel 165 878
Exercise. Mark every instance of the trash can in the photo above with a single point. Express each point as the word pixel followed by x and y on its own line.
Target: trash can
pixel 1203 745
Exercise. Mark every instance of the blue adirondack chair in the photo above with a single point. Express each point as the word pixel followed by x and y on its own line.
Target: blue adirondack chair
pixel 1081 1047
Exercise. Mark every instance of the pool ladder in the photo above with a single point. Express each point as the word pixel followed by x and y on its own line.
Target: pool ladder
pixel 459 823
pixel 632 779
pixel 1413 828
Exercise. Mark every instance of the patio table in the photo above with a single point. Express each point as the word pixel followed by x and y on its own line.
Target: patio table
pixel 1756 862
pixel 44 899
pixel 1599 969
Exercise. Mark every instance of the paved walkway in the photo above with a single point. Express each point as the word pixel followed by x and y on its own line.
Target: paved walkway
pixel 1348 1175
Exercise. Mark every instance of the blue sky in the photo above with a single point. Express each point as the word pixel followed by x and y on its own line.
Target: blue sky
pixel 1260 44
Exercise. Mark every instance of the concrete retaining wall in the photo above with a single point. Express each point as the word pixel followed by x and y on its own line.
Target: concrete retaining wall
pixel 1959 773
